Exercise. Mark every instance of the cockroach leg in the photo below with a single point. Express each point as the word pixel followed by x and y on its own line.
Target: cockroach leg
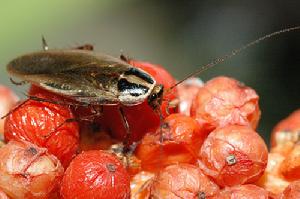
pixel 20 83
pixel 44 44
pixel 13 110
pixel 172 104
pixel 128 134
pixel 124 58
pixel 88 47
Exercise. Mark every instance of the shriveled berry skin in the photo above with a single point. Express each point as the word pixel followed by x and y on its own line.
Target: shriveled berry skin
pixel 8 99
pixel 292 191
pixel 287 130
pixel 182 181
pixel 248 191
pixel 272 179
pixel 233 155
pixel 178 141
pixel 290 167
pixel 223 101
pixel 29 172
pixel 95 174
pixel 44 124
pixel 3 195
pixel 187 91
pixel 141 118
pixel 140 185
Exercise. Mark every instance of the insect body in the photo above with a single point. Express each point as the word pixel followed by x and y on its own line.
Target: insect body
pixel 87 77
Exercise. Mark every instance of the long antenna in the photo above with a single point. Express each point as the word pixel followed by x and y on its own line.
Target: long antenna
pixel 232 53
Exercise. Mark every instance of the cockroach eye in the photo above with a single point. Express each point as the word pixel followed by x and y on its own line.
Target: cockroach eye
pixel 155 98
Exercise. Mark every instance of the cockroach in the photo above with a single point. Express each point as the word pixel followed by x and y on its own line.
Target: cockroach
pixel 95 79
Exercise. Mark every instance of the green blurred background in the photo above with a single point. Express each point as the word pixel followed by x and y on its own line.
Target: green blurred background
pixel 180 35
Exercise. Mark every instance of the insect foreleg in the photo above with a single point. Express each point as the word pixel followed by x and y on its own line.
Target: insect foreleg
pixel 127 129
pixel 20 83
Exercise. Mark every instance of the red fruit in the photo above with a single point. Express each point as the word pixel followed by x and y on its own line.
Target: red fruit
pixel 178 141
pixel 27 171
pixel 3 195
pixel 287 130
pixel 222 101
pixel 95 174
pixel 272 180
pixel 141 118
pixel 248 191
pixel 44 124
pixel 233 155
pixel 187 92
pixel 182 181
pixel 8 99
pixel 290 167
pixel 292 191
pixel 140 185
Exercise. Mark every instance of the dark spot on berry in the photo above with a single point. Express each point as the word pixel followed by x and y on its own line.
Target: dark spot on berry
pixel 165 126
pixel 32 151
pixel 201 195
pixel 231 160
pixel 111 167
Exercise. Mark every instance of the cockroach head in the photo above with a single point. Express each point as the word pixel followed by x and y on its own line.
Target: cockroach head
pixel 156 96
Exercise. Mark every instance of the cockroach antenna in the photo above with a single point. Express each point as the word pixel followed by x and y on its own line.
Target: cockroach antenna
pixel 44 44
pixel 233 53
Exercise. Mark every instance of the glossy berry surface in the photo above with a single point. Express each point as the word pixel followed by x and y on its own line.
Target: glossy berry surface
pixel 44 124
pixel 95 174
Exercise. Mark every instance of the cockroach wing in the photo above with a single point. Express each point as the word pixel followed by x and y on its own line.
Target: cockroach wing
pixel 84 76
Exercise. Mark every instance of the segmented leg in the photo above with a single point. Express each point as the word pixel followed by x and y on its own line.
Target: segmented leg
pixel 128 134
pixel 88 47
pixel 20 83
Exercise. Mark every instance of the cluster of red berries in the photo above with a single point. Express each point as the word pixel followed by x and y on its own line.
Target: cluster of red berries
pixel 206 146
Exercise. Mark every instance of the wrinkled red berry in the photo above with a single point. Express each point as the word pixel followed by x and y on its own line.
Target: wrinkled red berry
pixel 233 155
pixel 287 130
pixel 95 174
pixel 290 167
pixel 223 101
pixel 29 172
pixel 292 191
pixel 248 191
pixel 44 124
pixel 182 181
pixel 187 92
pixel 272 180
pixel 177 141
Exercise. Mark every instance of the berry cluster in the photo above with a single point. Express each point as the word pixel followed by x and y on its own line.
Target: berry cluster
pixel 203 145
